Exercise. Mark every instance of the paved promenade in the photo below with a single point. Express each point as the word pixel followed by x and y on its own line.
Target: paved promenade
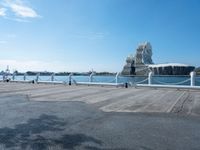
pixel 112 99
pixel 58 117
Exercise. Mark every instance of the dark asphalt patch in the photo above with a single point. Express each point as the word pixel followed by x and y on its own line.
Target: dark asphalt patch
pixel 75 125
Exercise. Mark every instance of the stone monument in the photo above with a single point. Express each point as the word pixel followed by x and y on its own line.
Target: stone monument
pixel 142 64
pixel 138 64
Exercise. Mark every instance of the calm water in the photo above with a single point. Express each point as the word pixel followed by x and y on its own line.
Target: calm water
pixel 174 80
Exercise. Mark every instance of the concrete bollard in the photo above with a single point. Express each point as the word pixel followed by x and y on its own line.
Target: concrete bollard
pixel 91 77
pixel 192 78
pixel 150 78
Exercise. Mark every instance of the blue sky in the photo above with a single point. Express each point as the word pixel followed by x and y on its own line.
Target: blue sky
pixel 80 35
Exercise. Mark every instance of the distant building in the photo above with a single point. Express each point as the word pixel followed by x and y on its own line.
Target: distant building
pixel 141 64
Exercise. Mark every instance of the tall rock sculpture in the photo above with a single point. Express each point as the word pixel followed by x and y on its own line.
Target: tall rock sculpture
pixel 142 63
pixel 129 68
pixel 143 54
pixel 138 65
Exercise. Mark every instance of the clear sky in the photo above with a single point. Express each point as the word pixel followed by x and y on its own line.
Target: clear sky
pixel 80 35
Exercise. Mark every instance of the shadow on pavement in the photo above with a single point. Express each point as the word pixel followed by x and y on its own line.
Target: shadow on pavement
pixel 29 135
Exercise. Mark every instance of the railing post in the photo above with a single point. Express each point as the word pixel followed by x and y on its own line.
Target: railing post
pixel 117 77
pixel 52 77
pixel 192 78
pixel 150 78
pixel 91 77
pixel 70 78
pixel 13 76
pixel 37 77
pixel 4 77
pixel 25 76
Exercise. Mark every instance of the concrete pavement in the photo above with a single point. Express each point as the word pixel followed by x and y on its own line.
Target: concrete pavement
pixel 119 119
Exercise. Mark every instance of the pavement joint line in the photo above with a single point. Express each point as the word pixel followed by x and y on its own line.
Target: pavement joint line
pixel 103 94
pixel 107 109
pixel 121 96
pixel 111 101
pixel 87 89
pixel 64 91
pixel 146 106
pixel 24 90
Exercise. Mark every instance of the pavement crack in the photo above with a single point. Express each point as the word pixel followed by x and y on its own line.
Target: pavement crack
pixel 181 106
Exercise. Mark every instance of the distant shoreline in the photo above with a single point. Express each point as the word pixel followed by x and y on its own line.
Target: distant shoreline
pixel 32 73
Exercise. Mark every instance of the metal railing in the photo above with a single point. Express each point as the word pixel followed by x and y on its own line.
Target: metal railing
pixel 179 85
pixel 117 80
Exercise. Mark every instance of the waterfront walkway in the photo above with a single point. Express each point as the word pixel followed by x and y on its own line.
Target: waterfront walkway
pixel 112 99
pixel 62 117
pixel 59 117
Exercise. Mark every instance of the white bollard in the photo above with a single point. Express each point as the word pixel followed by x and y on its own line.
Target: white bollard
pixel 52 77
pixel 150 78
pixel 25 77
pixel 37 77
pixel 13 76
pixel 70 78
pixel 4 77
pixel 117 77
pixel 91 77
pixel 192 78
